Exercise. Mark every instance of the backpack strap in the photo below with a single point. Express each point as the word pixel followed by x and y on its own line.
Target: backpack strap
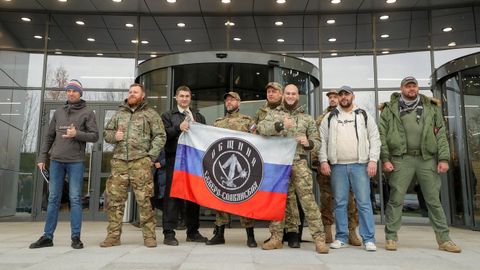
pixel 333 113
pixel 358 111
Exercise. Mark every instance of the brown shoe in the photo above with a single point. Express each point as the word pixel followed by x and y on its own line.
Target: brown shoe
pixel 449 246
pixel 328 234
pixel 150 242
pixel 353 238
pixel 110 241
pixel 275 242
pixel 320 245
pixel 391 245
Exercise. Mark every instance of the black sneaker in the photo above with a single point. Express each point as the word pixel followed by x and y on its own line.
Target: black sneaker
pixel 196 237
pixel 42 242
pixel 76 243
pixel 170 240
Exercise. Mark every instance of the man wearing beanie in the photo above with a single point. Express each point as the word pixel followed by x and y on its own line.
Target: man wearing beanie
pixel 414 143
pixel 71 127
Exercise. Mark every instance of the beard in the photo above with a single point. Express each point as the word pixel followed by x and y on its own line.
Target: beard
pixel 345 104
pixel 134 101
pixel 232 109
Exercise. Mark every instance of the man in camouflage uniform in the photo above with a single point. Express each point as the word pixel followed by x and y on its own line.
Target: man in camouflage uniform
pixel 289 120
pixel 235 121
pixel 326 197
pixel 137 133
pixel 292 216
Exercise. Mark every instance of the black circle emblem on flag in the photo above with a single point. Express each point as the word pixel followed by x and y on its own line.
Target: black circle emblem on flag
pixel 232 169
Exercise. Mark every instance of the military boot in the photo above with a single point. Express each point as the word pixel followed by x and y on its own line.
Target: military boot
pixel 251 238
pixel 275 242
pixel 293 239
pixel 320 245
pixel 110 241
pixel 353 238
pixel 328 234
pixel 150 242
pixel 218 237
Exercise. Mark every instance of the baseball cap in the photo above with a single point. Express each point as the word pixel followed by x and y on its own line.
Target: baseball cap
pixel 235 95
pixel 409 79
pixel 345 89
pixel 274 85
pixel 333 91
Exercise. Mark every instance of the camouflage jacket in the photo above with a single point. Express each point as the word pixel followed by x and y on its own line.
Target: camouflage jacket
pixel 235 121
pixel 315 161
pixel 261 113
pixel 304 125
pixel 144 134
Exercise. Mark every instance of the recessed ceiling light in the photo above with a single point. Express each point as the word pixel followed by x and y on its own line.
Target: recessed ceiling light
pixel 331 21
pixel 281 1
pixel 63 1
pixel 229 23
pixel 237 39
pixel 117 1
pixel 332 39
pixel 280 40
pixel 335 1
pixel 134 41
pixel 333 54
pixel 384 17
pixel 91 39
pixel 258 73
pixel 99 54
pixel 153 55
pixel 26 19
pixel 188 40
pixel 226 1
pixel 390 1
pixel 385 52
pixel 129 25
pixel 385 36
pixel 181 24
pixel 452 44
pixel 58 52
pixel 284 54
pixel 278 23
pixel 447 29
pixel 145 42
pixel 37 37
pixel 80 22
pixel 171 1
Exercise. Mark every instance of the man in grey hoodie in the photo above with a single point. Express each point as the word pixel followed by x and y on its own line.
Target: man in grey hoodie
pixel 71 127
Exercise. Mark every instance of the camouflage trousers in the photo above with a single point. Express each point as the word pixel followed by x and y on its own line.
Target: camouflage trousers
pixel 326 203
pixel 301 183
pixel 223 218
pixel 137 173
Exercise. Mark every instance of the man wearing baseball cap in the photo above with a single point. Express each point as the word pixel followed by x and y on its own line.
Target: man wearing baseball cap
pixel 414 143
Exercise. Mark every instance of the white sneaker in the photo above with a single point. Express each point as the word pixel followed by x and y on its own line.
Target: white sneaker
pixel 338 244
pixel 370 246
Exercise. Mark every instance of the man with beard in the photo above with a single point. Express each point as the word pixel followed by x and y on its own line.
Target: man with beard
pixel 326 196
pixel 235 121
pixel 137 133
pixel 414 143
pixel 289 120
pixel 71 127
pixel 177 121
pixel 349 153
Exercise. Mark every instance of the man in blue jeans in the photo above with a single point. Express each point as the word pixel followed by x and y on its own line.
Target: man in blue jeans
pixel 349 151
pixel 71 127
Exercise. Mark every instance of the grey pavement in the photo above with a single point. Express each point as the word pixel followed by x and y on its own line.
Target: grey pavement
pixel 417 250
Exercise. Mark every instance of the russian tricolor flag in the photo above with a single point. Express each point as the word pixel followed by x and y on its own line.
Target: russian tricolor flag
pixel 234 172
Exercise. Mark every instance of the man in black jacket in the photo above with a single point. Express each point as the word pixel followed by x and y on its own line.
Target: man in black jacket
pixel 176 121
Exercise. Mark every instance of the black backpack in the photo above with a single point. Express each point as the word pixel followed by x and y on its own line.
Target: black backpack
pixel 335 112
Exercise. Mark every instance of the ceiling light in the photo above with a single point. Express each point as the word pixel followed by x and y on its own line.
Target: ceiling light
pixel 37 37
pixel 226 1
pixel 229 23
pixel 278 23
pixel 63 1
pixel 26 19
pixel 335 1
pixel 117 1
pixel 280 40
pixel 390 1
pixel 447 29
pixel 333 54
pixel 58 51
pixel 281 1
pixel 134 41
pixel 385 52
pixel 180 24
pixel 172 1
pixel 237 39
pixel 331 21
pixel 385 36
pixel 384 17
pixel 188 40
pixel 153 55
pixel 452 44
pixel 129 25
pixel 332 39
pixel 145 42
pixel 80 22
pixel 99 54
pixel 91 39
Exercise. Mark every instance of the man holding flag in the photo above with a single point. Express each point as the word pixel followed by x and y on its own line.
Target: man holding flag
pixel 235 121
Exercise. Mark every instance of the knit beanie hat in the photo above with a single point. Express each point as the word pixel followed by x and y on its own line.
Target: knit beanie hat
pixel 75 85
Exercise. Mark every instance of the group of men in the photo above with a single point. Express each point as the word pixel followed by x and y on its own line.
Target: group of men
pixel 345 144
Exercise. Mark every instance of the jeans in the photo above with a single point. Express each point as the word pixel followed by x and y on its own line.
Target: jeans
pixel 58 170
pixel 354 175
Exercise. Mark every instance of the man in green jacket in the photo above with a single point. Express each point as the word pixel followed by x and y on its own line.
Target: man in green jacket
pixel 138 134
pixel 414 143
